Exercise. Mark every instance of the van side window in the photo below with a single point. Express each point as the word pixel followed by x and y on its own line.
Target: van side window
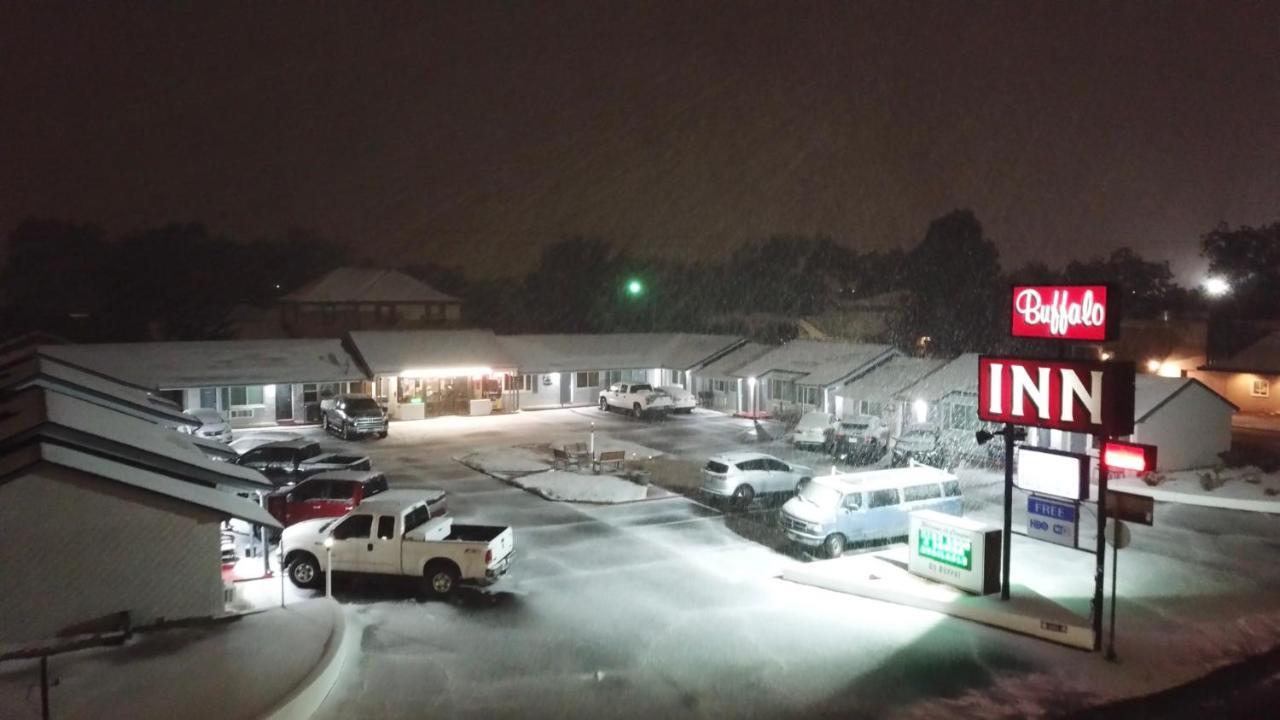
pixel 951 488
pixel 852 501
pixel 912 493
pixel 883 498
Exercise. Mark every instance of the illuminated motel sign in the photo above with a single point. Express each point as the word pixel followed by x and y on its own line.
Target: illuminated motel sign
pixel 1070 395
pixel 1063 312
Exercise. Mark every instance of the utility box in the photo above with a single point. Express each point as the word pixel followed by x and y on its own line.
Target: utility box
pixel 481 407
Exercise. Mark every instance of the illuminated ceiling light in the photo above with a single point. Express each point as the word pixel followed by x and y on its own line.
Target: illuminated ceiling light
pixel 446 372
pixel 920 409
pixel 1106 355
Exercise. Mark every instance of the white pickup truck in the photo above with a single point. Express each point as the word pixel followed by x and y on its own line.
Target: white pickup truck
pixel 393 533
pixel 636 398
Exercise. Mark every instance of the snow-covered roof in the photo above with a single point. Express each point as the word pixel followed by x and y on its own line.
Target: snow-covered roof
pixel 15 460
pixel 173 365
pixel 885 382
pixel 960 375
pixel 1261 357
pixel 727 364
pixel 36 369
pixel 817 362
pixel 615 351
pixel 36 412
pixel 1151 392
pixel 366 285
pixel 387 352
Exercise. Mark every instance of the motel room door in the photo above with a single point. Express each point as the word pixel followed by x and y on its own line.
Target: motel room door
pixel 566 388
pixel 284 402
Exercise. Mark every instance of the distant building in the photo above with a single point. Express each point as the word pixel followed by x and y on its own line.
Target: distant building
pixel 1250 379
pixel 351 298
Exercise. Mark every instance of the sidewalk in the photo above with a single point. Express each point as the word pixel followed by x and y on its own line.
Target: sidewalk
pixel 279 664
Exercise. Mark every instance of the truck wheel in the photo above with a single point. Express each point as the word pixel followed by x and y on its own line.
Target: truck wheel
pixel 440 578
pixel 346 431
pixel 304 571
pixel 604 405
pixel 637 411
pixel 382 435
pixel 834 545
pixel 743 496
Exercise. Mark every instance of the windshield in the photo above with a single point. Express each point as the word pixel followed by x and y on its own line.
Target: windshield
pixel 363 404
pixel 820 495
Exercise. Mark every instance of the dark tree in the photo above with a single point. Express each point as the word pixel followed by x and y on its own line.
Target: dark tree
pixel 51 280
pixel 575 288
pixel 1146 288
pixel 1249 259
pixel 957 297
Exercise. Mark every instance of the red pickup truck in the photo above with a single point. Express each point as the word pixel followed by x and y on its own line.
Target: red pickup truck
pixel 334 494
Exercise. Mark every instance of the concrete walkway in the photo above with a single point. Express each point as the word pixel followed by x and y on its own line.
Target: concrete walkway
pixel 275 664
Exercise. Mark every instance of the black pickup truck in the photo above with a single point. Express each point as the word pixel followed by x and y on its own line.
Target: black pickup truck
pixel 291 461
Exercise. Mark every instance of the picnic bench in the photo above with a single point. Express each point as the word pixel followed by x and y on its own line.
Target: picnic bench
pixel 609 457
pixel 571 455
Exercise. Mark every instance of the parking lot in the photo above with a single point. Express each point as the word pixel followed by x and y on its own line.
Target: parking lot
pixel 670 607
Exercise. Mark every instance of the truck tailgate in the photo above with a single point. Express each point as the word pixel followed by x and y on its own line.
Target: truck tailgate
pixel 501 547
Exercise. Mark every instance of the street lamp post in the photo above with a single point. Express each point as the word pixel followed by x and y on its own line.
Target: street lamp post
pixel 328 567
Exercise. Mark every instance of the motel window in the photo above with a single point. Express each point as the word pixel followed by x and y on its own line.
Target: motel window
pixel 720 385
pixel 612 376
pixel 782 390
pixel 245 395
pixel 871 408
pixel 523 383
pixel 810 396
pixel 1261 388
pixel 587 379
pixel 960 416
pixel 326 314
pixel 208 397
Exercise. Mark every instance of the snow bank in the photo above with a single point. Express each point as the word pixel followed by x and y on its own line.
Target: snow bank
pixel 1243 489
pixel 508 462
pixel 575 487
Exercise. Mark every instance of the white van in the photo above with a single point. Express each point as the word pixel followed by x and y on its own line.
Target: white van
pixel 833 510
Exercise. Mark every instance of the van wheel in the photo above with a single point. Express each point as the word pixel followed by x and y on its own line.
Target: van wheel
pixel 834 545
pixel 743 496
pixel 440 579
pixel 304 572
pixel 604 405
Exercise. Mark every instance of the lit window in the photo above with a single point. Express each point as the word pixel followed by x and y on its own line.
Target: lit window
pixel 1261 388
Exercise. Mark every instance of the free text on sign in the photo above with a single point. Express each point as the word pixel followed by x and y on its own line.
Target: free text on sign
pixel 1062 312
pixel 1071 395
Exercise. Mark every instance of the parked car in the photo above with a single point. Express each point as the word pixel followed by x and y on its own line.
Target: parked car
pixel 636 398
pixel 834 510
pixel 334 494
pixel 921 443
pixel 814 430
pixel 741 476
pixel 860 438
pixel 247 440
pixel 290 461
pixel 682 401
pixel 213 425
pixel 351 415
pixel 396 534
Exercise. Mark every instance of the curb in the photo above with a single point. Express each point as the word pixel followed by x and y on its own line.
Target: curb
pixel 303 701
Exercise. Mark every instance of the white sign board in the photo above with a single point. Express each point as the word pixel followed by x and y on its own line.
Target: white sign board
pixel 1053 520
pixel 957 551
pixel 1052 472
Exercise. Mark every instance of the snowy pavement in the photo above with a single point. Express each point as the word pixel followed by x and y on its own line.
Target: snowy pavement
pixel 670 608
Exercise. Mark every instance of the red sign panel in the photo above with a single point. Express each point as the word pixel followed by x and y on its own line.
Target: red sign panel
pixel 1075 396
pixel 1062 312
pixel 1129 456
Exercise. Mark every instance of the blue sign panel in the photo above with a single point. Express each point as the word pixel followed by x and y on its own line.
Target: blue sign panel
pixel 1052 520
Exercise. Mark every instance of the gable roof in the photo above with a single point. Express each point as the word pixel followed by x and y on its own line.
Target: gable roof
pixel 13 461
pixel 883 383
pixel 817 362
pixel 36 414
pixel 958 375
pixel 1261 357
pixel 366 285
pixel 388 352
pixel 173 365
pixel 614 351
pixel 728 363
pixel 1151 392
pixel 38 370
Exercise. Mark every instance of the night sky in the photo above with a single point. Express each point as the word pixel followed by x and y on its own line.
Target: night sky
pixel 472 133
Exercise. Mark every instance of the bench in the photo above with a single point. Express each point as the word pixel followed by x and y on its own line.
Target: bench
pixel 609 457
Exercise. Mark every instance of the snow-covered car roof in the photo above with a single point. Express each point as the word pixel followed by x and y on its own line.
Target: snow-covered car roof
pixel 880 479
pixel 740 456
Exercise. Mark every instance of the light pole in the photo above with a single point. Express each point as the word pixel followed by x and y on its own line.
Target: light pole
pixel 328 567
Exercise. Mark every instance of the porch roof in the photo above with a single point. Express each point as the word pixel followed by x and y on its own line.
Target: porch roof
pixel 884 382
pixel 959 375
pixel 390 352
pixel 614 351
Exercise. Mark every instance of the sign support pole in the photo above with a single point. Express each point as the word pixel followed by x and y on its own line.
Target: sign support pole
pixel 1100 572
pixel 1115 565
pixel 1007 539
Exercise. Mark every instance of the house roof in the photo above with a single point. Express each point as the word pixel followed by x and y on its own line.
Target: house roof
pixel 38 370
pixel 173 365
pixel 727 364
pixel 958 375
pixel 1261 357
pixel 817 362
pixel 615 351
pixel 14 460
pixel 885 382
pixel 39 414
pixel 1151 392
pixel 395 351
pixel 366 285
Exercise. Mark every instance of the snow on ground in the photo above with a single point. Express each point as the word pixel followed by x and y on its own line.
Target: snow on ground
pixel 1242 488
pixel 577 487
pixel 221 669
pixel 508 462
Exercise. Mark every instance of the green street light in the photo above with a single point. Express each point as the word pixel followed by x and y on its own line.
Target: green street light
pixel 635 288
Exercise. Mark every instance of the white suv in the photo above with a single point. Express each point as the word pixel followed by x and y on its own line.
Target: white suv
pixel 814 430
pixel 741 476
